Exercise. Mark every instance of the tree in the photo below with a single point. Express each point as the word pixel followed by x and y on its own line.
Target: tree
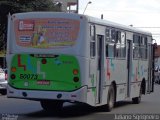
pixel 17 6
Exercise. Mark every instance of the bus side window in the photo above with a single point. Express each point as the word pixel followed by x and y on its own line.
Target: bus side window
pixel 120 44
pixel 146 47
pixel 110 42
pixel 92 41
pixel 123 44
pixel 136 44
pixel 140 47
pixel 110 50
pixel 143 47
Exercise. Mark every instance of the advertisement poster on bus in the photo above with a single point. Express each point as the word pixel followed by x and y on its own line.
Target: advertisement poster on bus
pixel 46 33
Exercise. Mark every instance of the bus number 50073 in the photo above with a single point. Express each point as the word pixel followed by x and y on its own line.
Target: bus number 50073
pixel 29 76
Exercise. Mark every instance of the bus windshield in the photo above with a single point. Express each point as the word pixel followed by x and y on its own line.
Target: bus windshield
pixel 46 32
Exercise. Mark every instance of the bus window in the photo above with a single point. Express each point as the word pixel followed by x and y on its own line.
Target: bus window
pixel 123 50
pixel 120 45
pixel 92 32
pixel 110 48
pixel 107 35
pixel 123 44
pixel 113 35
pixel 110 42
pixel 118 50
pixel 92 49
pixel 136 43
pixel 143 48
pixel 92 41
pixel 146 47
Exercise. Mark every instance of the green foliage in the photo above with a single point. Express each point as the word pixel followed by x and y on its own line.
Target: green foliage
pixel 17 6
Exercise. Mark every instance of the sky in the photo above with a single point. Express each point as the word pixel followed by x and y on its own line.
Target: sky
pixel 139 13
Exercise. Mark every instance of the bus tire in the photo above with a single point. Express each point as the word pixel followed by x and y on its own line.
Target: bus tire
pixel 110 98
pixel 137 100
pixel 51 105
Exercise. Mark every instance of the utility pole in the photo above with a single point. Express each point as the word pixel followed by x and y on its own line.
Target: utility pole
pixel 77 11
pixel 87 6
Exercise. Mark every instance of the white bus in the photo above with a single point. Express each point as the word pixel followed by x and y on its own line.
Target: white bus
pixel 61 57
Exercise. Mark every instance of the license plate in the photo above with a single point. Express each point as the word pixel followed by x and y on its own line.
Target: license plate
pixel 43 82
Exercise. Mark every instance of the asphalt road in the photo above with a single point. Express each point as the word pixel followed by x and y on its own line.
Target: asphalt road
pixel 25 110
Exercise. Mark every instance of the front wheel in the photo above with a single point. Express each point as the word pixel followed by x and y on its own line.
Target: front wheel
pixel 51 105
pixel 111 98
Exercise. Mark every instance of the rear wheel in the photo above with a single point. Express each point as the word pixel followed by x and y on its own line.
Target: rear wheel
pixel 111 98
pixel 51 105
pixel 137 100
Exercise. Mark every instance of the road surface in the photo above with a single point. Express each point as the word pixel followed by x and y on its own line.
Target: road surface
pixel 26 109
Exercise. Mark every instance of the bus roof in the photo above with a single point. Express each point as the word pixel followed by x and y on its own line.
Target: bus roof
pixel 116 25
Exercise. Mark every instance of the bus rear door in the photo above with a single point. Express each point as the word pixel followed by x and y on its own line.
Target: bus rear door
pixel 100 66
pixel 129 66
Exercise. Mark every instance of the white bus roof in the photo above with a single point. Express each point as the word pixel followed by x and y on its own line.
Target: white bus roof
pixel 116 25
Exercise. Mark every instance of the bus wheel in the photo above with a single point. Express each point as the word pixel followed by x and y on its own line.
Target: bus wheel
pixel 137 100
pixel 110 98
pixel 51 105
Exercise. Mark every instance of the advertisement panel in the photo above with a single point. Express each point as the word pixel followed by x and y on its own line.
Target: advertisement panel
pixel 46 33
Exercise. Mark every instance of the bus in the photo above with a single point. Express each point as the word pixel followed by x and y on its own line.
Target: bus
pixel 55 57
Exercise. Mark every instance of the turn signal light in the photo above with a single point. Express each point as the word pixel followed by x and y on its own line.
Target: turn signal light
pixel 75 71
pixel 13 69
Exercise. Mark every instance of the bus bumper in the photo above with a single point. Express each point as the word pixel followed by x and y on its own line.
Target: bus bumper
pixel 79 95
